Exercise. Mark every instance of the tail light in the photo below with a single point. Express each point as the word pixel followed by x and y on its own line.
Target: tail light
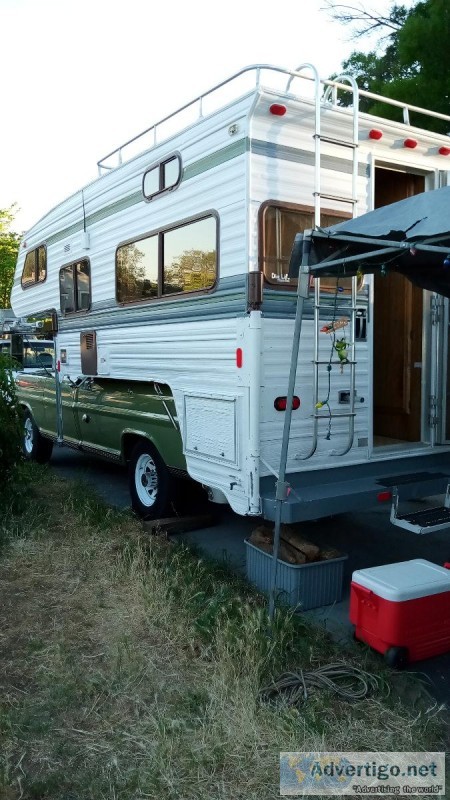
pixel 384 497
pixel 280 403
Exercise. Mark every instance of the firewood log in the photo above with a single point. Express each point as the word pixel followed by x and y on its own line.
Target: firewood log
pixel 310 550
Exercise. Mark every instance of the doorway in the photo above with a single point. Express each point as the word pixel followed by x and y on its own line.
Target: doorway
pixel 398 323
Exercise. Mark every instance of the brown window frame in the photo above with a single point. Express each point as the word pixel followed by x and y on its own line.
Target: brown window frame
pixel 72 265
pixel 262 231
pixel 36 280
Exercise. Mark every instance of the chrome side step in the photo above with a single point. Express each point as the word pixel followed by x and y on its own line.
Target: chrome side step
pixel 428 520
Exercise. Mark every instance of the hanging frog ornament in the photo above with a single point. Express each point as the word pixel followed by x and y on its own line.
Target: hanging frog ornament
pixel 341 348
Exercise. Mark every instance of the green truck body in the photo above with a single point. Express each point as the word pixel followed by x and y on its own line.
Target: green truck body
pixel 105 417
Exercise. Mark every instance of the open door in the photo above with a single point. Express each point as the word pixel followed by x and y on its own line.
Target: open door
pixel 398 323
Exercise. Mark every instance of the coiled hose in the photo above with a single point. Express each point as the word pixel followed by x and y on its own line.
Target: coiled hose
pixel 347 682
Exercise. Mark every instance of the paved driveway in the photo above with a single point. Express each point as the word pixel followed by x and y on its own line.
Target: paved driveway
pixel 367 537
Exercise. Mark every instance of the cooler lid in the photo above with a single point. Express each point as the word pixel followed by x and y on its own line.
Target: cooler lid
pixel 405 580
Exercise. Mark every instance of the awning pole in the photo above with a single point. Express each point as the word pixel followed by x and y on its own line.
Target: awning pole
pixel 282 489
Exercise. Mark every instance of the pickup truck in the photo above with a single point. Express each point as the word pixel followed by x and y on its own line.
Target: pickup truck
pixel 134 424
pixel 32 355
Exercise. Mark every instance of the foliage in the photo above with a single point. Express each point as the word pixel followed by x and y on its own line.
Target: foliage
pixel 9 247
pixel 10 433
pixel 414 64
pixel 131 668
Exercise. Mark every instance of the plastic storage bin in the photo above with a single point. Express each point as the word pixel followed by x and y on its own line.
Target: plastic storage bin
pixel 402 610
pixel 318 583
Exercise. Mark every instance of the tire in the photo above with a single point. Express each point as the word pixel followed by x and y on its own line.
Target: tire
pixel 34 446
pixel 150 483
pixel 396 657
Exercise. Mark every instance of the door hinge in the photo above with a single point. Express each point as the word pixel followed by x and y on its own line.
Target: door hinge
pixel 433 417
pixel 436 306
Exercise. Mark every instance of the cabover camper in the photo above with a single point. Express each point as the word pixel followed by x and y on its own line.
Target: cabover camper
pixel 174 309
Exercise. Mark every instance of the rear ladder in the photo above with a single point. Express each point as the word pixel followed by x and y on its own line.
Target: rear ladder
pixel 346 310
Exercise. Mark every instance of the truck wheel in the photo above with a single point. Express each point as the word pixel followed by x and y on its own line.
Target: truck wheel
pixel 150 481
pixel 396 657
pixel 34 446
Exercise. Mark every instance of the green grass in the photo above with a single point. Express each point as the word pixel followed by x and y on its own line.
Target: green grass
pixel 132 668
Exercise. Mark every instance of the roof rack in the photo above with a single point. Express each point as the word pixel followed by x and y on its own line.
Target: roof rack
pixel 254 72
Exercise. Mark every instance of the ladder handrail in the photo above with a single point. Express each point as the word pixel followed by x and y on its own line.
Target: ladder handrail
pixel 297 73
pixel 317 304
pixel 258 69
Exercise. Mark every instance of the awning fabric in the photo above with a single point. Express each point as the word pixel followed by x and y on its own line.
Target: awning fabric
pixel 411 237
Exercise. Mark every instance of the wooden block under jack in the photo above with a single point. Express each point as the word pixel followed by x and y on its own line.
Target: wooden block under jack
pixel 168 525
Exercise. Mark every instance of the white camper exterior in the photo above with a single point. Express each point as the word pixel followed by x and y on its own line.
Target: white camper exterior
pixel 172 267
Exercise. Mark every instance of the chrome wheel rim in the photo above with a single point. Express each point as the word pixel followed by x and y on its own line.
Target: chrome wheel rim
pixel 146 480
pixel 28 436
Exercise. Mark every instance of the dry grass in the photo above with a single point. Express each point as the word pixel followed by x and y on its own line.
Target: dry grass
pixel 131 669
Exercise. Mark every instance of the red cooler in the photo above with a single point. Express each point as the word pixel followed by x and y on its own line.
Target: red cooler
pixel 402 610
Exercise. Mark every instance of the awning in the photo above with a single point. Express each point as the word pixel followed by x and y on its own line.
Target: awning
pixel 411 237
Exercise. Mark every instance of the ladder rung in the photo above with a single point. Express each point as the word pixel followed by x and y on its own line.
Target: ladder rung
pixel 333 307
pixel 352 200
pixel 337 363
pixel 333 415
pixel 341 142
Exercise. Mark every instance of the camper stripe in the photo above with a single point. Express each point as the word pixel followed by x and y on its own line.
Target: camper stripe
pixel 255 146
pixel 287 153
pixel 228 300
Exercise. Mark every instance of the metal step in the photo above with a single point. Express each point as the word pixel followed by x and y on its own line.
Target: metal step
pixel 339 142
pixel 428 520
pixel 337 197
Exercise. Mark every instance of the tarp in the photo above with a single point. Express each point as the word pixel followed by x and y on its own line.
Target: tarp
pixel 411 237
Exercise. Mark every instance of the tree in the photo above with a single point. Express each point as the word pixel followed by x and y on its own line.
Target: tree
pixel 191 271
pixel 414 62
pixel 9 247
pixel 10 431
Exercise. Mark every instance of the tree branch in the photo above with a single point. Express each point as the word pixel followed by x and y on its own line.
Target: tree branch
pixel 345 14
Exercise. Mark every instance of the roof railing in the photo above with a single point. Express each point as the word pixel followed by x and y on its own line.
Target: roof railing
pixel 198 102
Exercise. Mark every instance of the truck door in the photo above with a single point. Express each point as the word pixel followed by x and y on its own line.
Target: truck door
pixel 68 399
pixel 97 414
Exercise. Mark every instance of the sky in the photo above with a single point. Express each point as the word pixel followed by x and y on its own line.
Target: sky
pixel 80 77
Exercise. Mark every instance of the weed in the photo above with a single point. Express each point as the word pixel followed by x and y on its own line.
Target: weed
pixel 132 668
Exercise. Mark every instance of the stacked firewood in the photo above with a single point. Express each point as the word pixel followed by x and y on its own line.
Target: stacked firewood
pixel 294 549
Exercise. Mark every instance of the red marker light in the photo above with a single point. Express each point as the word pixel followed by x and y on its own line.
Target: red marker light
pixel 58 365
pixel 444 151
pixel 277 109
pixel 239 357
pixel 280 403
pixel 375 134
pixel 384 497
pixel 411 143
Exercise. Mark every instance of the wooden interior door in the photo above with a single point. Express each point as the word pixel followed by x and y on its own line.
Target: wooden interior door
pixel 398 319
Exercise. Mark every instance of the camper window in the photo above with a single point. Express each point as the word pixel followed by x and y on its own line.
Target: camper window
pixel 162 177
pixel 75 287
pixel 279 225
pixel 35 267
pixel 182 259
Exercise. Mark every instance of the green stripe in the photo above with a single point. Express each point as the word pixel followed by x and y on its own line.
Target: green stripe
pixel 233 150
pixel 215 159
pixel 202 165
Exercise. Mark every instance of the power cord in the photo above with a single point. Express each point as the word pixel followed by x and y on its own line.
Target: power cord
pixel 350 683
